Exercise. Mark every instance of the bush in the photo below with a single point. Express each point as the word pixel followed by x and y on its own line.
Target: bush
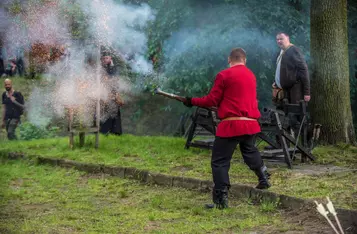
pixel 29 131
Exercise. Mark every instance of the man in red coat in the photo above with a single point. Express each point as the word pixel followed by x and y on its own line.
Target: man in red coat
pixel 234 94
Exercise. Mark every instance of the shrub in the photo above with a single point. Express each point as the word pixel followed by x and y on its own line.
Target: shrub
pixel 29 131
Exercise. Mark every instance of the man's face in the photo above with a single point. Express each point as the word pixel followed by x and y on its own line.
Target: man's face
pixel 282 40
pixel 107 60
pixel 8 85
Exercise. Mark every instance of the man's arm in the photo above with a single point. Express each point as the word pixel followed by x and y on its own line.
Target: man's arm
pixel 3 116
pixel 118 99
pixel 215 95
pixel 3 111
pixel 18 104
pixel 302 71
pixel 19 101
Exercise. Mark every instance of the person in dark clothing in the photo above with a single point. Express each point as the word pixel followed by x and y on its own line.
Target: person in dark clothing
pixel 111 116
pixel 108 65
pixel 291 76
pixel 11 69
pixel 13 106
pixel 20 66
pixel 2 69
pixel 291 80
pixel 235 96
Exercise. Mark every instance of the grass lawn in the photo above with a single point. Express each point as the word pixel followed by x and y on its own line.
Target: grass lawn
pixel 44 199
pixel 167 155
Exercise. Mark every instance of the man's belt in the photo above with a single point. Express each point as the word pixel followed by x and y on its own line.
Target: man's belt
pixel 239 118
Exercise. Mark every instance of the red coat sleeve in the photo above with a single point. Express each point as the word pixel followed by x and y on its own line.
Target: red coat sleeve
pixel 214 97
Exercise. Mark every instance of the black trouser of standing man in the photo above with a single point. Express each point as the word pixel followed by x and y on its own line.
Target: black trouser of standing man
pixel 11 125
pixel 222 152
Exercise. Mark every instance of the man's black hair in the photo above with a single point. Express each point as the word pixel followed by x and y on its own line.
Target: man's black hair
pixel 283 32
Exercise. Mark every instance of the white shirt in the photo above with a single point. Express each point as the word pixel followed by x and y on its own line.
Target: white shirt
pixel 277 72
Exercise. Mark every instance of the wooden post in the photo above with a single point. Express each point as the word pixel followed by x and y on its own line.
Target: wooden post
pixel 70 122
pixel 81 139
pixel 98 100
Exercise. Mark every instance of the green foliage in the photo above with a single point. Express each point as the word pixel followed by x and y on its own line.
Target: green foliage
pixel 189 41
pixel 30 131
pixel 169 16
pixel 15 8
pixel 190 46
pixel 78 20
pixel 193 44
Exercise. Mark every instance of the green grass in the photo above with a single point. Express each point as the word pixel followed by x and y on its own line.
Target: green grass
pixel 340 155
pixel 160 154
pixel 167 155
pixel 43 199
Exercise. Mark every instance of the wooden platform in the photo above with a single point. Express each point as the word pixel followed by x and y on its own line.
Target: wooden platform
pixel 88 130
pixel 206 143
pixel 276 152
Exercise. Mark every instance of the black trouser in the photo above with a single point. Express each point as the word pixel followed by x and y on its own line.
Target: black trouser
pixel 222 152
pixel 112 125
pixel 11 125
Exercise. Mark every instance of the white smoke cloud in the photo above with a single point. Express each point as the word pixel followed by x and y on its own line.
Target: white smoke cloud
pixel 41 23
pixel 4 20
pixel 72 82
pixel 209 38
pixel 121 26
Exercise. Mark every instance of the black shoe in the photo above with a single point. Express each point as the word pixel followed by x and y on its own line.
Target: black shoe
pixel 210 206
pixel 217 206
pixel 263 177
pixel 220 199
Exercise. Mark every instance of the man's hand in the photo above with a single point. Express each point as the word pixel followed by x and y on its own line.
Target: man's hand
pixel 13 67
pixel 307 98
pixel 119 100
pixel 187 102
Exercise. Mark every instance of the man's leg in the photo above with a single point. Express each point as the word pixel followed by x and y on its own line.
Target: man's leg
pixel 253 159
pixel 222 151
pixel 10 128
pixel 106 127
pixel 117 127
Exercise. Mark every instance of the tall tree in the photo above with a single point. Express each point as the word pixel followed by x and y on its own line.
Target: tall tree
pixel 330 104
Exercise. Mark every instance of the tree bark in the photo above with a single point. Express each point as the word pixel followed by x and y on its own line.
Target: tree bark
pixel 330 86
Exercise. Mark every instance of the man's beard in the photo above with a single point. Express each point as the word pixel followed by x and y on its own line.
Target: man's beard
pixel 8 89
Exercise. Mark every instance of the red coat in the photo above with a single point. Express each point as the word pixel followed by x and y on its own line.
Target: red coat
pixel 234 94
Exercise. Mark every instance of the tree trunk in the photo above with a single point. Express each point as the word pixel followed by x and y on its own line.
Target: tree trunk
pixel 330 86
